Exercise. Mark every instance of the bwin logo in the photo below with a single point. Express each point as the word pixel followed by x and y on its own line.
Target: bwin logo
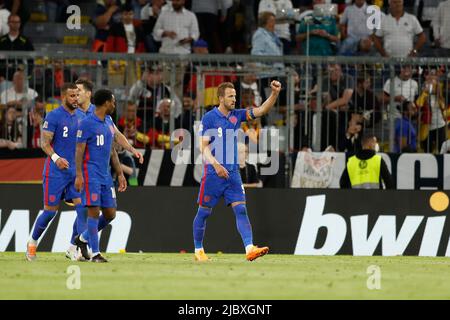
pixel 364 244
pixel 18 226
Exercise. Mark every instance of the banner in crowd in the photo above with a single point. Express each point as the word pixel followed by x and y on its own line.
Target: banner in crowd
pixel 289 221
pixel 410 171
pixel 310 170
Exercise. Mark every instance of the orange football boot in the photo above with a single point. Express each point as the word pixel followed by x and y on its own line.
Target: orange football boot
pixel 201 256
pixel 256 252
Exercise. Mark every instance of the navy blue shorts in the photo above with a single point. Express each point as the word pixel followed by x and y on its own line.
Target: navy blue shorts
pixel 100 195
pixel 57 189
pixel 213 187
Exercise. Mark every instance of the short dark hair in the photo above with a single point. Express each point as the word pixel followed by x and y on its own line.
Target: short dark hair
pixel 101 96
pixel 68 86
pixel 222 87
pixel 87 84
pixel 367 137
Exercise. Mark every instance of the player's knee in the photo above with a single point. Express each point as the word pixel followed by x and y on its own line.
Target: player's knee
pixel 204 211
pixel 240 209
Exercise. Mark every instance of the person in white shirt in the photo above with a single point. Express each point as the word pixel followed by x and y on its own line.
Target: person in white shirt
pixel 353 24
pixel 431 102
pixel 405 89
pixel 441 29
pixel 4 28
pixel 395 38
pixel 281 28
pixel 18 95
pixel 176 28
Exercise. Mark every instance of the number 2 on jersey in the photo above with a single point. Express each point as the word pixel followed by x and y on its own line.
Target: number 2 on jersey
pixel 65 132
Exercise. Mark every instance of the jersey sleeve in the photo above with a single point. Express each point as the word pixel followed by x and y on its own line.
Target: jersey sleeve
pixel 245 114
pixel 205 126
pixel 84 132
pixel 50 122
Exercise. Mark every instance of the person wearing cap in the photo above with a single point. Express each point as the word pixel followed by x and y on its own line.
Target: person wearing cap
pixel 366 169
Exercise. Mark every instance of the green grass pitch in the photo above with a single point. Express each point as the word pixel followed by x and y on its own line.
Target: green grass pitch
pixel 163 276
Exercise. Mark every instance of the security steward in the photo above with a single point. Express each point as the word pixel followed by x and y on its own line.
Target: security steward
pixel 366 169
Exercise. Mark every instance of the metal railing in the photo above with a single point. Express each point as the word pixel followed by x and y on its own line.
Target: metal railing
pixel 314 110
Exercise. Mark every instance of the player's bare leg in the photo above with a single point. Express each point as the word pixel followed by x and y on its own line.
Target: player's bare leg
pixel 245 230
pixel 199 226
pixel 33 241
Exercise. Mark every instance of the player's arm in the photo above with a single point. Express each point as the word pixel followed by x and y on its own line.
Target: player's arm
pixel 269 103
pixel 79 155
pixel 46 146
pixel 118 169
pixel 121 140
pixel 210 159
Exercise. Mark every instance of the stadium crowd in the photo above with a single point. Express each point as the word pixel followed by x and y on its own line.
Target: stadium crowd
pixel 354 98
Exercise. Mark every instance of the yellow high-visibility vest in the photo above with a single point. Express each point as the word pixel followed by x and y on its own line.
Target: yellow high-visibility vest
pixel 364 174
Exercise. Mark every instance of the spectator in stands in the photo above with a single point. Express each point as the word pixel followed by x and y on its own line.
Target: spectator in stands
pixel 188 115
pixel 131 125
pixel 441 29
pixel 354 31
pixel 338 90
pixel 20 8
pixel 148 92
pixel 159 135
pixel 249 171
pixel 395 38
pixel 56 74
pixel 128 166
pixel 176 28
pixel 323 35
pixel 18 95
pixel 433 112
pixel 124 37
pixel 248 81
pixel 282 29
pixel 11 129
pixel 265 42
pixel 364 101
pixel 15 41
pixel 209 14
pixel 4 14
pixel 405 129
pixel 405 89
pixel 149 15
pixel 106 13
pixel 35 117
pixel 351 142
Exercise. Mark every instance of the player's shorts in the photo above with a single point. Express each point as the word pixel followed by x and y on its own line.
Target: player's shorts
pixel 214 187
pixel 58 188
pixel 100 195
